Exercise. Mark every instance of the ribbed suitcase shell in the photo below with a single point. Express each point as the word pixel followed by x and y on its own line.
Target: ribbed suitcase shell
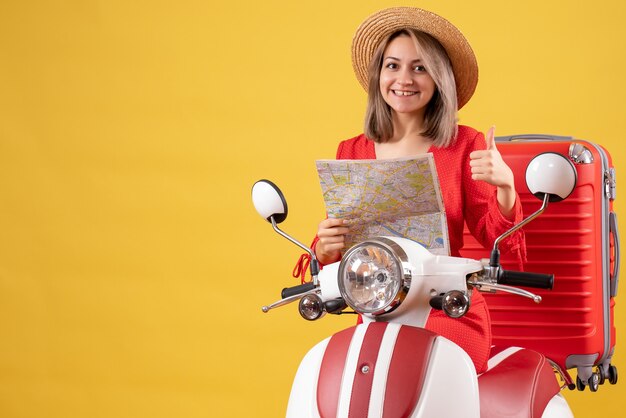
pixel 575 239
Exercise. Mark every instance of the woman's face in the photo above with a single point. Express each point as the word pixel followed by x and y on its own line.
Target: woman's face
pixel 404 83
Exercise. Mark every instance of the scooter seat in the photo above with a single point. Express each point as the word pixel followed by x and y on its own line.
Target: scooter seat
pixel 518 383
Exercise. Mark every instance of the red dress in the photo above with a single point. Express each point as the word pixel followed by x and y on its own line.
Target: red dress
pixel 465 201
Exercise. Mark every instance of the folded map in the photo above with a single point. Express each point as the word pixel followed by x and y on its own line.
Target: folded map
pixel 396 197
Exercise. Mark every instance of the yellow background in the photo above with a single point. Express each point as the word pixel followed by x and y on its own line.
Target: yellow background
pixel 132 263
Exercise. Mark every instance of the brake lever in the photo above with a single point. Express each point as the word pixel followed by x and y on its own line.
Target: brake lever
pixel 487 286
pixel 288 300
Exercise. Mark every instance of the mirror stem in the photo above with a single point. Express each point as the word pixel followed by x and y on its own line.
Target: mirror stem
pixel 314 265
pixel 494 261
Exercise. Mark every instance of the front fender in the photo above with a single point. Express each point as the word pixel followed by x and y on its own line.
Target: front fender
pixel 384 369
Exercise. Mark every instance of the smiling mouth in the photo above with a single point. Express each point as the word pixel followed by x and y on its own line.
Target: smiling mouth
pixel 404 93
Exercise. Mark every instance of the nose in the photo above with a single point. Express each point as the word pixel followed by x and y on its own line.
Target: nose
pixel 405 77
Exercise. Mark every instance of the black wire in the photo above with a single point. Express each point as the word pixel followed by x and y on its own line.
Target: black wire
pixel 344 312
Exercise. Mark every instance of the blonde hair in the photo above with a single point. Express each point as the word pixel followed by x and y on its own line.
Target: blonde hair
pixel 440 121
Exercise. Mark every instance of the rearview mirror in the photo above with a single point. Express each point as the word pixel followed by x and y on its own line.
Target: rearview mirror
pixel 269 201
pixel 553 174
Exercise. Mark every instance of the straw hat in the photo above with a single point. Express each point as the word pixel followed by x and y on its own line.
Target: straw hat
pixel 385 22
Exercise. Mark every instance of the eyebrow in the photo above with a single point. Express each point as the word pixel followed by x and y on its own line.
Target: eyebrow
pixel 398 59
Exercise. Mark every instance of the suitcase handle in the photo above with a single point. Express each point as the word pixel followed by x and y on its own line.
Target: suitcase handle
pixel 533 137
pixel 615 273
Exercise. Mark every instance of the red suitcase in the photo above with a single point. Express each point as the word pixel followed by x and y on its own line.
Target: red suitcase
pixel 577 240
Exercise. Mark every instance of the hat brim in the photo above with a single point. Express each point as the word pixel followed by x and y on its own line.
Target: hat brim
pixel 385 22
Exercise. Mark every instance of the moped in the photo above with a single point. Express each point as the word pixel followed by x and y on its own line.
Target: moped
pixel 390 366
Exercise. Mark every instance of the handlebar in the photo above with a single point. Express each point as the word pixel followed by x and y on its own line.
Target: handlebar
pixel 525 279
pixel 296 290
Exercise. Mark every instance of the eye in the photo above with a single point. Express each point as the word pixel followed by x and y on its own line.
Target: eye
pixel 391 65
pixel 419 69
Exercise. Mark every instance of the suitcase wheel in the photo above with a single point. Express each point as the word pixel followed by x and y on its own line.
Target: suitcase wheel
pixel 601 374
pixel 612 374
pixel 580 385
pixel 593 382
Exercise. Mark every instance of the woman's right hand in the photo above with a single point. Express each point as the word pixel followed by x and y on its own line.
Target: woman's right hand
pixel 331 234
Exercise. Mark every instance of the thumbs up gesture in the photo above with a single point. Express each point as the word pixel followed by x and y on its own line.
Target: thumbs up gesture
pixel 487 165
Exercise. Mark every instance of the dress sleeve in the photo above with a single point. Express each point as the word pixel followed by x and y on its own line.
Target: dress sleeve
pixel 339 151
pixel 483 216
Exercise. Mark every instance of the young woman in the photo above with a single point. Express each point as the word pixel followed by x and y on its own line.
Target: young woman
pixel 418 70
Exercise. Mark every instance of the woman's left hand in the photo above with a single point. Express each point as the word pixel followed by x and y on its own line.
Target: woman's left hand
pixel 488 165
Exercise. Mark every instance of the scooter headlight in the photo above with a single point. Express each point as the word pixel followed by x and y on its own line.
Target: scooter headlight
pixel 372 278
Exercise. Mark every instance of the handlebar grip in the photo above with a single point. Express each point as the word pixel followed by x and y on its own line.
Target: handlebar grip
pixel 296 290
pixel 436 302
pixel 522 278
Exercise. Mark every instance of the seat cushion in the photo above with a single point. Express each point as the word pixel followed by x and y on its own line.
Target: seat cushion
pixel 519 383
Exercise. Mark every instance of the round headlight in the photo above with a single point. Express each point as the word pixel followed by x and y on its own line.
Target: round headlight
pixel 371 276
